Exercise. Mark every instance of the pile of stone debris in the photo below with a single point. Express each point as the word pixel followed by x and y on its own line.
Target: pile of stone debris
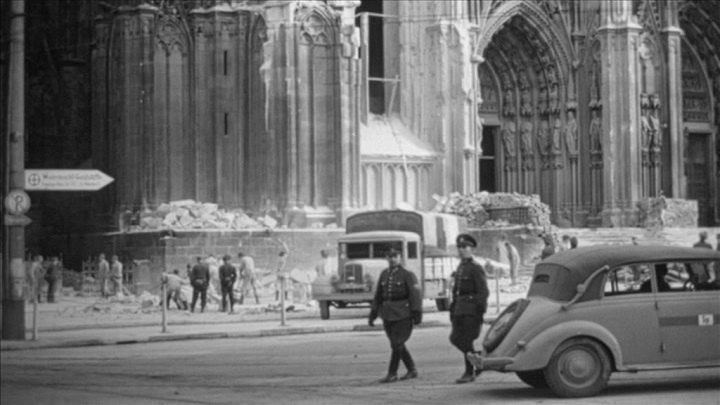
pixel 487 210
pixel 190 214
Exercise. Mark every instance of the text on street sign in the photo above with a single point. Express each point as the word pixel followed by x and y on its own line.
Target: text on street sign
pixel 65 180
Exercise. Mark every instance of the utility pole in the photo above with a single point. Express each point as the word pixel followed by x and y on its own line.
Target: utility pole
pixel 16 200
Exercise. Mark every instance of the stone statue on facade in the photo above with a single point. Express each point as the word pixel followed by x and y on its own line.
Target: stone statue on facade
pixel 554 99
pixel 508 139
pixel 655 141
pixel 595 132
pixel 524 82
pixel 551 74
pixel 526 145
pixel 542 101
pixel 508 102
pixel 543 137
pixel 571 135
pixel 645 122
pixel 525 102
pixel 556 139
pixel 526 138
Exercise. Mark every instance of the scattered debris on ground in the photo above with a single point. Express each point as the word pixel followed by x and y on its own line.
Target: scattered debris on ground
pixel 191 214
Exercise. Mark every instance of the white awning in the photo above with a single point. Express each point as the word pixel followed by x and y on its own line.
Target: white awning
pixel 389 137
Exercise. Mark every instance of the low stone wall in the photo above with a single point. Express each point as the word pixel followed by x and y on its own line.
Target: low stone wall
pixel 149 254
pixel 152 254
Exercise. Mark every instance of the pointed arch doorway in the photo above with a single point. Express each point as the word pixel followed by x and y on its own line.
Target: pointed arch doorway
pixel 489 169
pixel 525 109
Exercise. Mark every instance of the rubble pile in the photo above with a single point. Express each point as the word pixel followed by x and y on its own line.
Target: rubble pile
pixel 660 212
pixel 485 209
pixel 190 214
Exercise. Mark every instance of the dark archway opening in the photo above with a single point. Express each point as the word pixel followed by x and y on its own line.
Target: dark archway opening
pixel 376 53
pixel 488 164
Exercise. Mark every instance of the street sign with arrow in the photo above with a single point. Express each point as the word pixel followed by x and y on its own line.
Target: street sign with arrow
pixel 65 179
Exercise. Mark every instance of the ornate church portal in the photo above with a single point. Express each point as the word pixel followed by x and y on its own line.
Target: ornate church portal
pixel 594 106
pixel 335 106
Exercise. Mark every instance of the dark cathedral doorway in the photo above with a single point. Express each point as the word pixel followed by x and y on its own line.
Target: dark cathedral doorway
pixel 378 88
pixel 488 162
pixel 699 173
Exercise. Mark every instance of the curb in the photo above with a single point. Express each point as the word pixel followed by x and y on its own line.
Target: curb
pixel 31 345
pixel 281 331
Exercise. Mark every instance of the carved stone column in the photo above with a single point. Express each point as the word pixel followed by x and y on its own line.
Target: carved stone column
pixel 99 121
pixel 673 182
pixel 621 112
pixel 349 87
pixel 131 92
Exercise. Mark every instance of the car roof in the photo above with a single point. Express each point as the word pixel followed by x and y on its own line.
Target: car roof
pixel 588 259
pixel 572 267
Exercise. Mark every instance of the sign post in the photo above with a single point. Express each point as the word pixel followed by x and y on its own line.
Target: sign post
pixel 16 201
pixel 65 179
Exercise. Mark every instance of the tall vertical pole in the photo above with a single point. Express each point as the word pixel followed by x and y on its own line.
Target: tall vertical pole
pixel 364 49
pixel 13 277
pixel 164 303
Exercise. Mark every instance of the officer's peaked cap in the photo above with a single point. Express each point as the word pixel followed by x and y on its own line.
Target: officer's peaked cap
pixel 466 239
pixel 392 252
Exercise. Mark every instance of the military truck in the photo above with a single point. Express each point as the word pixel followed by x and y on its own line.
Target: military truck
pixel 426 241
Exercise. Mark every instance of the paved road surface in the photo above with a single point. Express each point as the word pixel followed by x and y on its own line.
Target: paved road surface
pixel 335 368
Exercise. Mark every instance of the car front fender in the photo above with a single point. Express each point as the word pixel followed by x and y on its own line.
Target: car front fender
pixel 535 353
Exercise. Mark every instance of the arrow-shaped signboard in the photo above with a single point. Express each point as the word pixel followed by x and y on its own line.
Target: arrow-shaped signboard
pixel 65 180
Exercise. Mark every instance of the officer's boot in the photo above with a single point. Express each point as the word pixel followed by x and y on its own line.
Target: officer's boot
pixel 469 375
pixel 409 364
pixel 392 368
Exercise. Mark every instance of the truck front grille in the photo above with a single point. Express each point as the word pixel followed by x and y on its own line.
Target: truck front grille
pixel 353 273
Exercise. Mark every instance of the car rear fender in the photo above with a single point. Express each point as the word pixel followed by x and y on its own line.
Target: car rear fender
pixel 538 350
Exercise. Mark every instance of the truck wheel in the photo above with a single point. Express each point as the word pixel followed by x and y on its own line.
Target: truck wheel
pixel 324 309
pixel 443 304
pixel 578 368
pixel 533 378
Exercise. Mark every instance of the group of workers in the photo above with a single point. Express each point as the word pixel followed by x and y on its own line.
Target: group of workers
pixel 204 274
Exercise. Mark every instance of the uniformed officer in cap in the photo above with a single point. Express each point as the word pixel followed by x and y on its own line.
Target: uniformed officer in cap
pixel 399 303
pixel 469 302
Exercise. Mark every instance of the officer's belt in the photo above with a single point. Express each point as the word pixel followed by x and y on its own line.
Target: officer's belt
pixel 397 299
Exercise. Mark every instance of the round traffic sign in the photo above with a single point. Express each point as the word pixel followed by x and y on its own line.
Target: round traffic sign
pixel 17 202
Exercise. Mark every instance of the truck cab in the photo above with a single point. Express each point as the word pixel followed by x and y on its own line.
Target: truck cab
pixel 424 240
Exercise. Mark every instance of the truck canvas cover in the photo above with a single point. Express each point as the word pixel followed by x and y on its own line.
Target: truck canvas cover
pixel 437 230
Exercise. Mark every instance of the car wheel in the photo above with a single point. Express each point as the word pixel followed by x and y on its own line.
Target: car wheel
pixel 578 368
pixel 324 309
pixel 533 378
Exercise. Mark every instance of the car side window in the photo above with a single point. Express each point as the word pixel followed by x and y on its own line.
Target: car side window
pixel 696 276
pixel 668 276
pixel 628 279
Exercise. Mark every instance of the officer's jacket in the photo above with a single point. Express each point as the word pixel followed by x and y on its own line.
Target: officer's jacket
pixel 228 274
pixel 200 274
pixel 470 290
pixel 397 294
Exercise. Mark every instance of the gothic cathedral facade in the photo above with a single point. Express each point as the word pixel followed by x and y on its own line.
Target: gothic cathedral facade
pixel 341 105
